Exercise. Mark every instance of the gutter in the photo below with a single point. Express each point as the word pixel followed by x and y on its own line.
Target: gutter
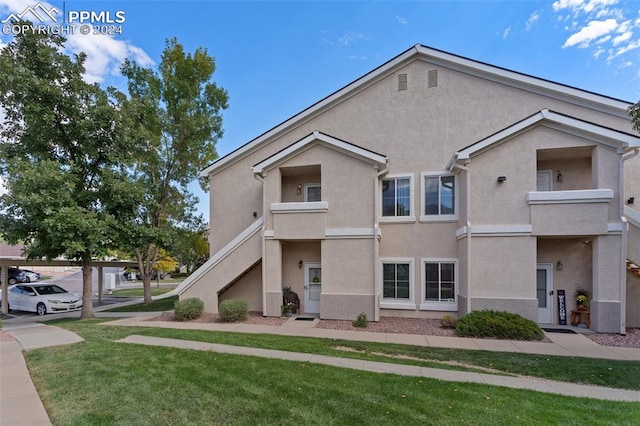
pixel 376 242
pixel 624 240
pixel 451 166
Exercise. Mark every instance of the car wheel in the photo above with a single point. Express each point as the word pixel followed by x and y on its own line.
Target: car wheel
pixel 27 280
pixel 41 309
pixel 12 281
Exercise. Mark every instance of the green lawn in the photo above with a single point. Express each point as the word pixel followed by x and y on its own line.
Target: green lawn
pixel 101 381
pixel 139 292
pixel 160 305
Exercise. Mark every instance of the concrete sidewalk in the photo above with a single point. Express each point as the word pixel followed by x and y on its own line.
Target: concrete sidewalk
pixel 539 385
pixel 562 344
pixel 20 403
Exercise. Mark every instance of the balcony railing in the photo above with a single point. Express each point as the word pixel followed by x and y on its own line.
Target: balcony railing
pixel 582 212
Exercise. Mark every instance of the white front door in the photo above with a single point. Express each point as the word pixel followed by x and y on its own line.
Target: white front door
pixel 312 287
pixel 544 291
pixel 544 179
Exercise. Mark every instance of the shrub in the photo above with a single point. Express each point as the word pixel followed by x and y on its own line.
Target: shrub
pixel 233 310
pixel 448 321
pixel 498 325
pixel 188 309
pixel 361 321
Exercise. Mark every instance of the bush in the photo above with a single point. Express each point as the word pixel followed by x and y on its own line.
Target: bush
pixel 188 309
pixel 498 325
pixel 448 321
pixel 361 321
pixel 233 310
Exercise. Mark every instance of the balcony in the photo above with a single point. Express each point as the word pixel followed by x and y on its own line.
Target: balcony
pixel 299 221
pixel 579 212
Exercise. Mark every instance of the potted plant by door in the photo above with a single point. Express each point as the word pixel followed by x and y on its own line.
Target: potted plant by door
pixel 582 299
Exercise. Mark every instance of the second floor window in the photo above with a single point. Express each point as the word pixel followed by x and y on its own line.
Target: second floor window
pixel 396 196
pixel 439 195
pixel 312 192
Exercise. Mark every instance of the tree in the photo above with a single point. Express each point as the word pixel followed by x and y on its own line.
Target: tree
pixel 175 114
pixel 634 113
pixel 61 156
pixel 190 247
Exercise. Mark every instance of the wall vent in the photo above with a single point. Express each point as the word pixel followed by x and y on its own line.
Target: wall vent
pixel 433 78
pixel 402 82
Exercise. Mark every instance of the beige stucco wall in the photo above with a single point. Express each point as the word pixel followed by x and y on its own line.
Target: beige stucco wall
pixel 576 258
pixel 247 288
pixel 419 129
pixel 633 301
pixel 292 274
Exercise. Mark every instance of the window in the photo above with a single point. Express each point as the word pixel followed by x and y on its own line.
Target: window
pixel 312 192
pixel 439 278
pixel 396 197
pixel 397 284
pixel 439 197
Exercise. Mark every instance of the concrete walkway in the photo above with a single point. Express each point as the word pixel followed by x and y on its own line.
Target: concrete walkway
pixel 21 405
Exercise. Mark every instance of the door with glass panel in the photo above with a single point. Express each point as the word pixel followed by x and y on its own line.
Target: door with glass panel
pixel 312 287
pixel 544 291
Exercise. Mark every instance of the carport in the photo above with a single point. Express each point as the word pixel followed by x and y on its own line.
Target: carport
pixel 17 261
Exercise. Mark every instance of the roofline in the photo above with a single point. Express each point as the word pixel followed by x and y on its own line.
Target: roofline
pixel 325 139
pixel 619 140
pixel 469 66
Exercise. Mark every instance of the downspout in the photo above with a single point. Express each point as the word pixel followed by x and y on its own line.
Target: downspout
pixel 260 178
pixel 623 242
pixel 377 236
pixel 468 226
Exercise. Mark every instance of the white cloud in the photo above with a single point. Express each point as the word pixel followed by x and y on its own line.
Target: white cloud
pixel 590 32
pixel 533 18
pixel 350 37
pixel 612 27
pixel 105 53
pixel 401 20
pixel 622 38
pixel 506 32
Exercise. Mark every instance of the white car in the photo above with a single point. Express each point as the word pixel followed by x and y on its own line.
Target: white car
pixel 42 298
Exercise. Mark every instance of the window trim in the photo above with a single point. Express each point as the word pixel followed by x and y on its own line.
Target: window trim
pixel 439 217
pixel 398 219
pixel 438 306
pixel 388 303
pixel 306 193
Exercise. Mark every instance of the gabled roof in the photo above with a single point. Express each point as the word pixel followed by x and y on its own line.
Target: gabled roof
pixel 604 135
pixel 419 52
pixel 319 138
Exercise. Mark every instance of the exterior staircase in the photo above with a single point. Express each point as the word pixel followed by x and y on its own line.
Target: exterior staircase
pixel 233 261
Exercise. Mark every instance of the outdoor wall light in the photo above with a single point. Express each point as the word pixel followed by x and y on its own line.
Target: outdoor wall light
pixel 501 179
pixel 559 266
pixel 631 200
pixel 559 177
pixel 299 190
pixel 300 264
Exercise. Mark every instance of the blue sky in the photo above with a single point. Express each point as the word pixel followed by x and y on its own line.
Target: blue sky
pixel 277 58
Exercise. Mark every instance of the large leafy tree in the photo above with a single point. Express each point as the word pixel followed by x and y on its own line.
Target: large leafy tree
pixel 61 156
pixel 175 115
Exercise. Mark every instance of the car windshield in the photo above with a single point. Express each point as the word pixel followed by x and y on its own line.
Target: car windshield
pixel 50 289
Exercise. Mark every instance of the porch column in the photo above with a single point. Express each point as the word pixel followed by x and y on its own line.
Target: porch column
pixel 272 278
pixel 605 305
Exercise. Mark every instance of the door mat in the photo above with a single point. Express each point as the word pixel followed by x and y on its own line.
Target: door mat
pixel 559 330
pixel 304 319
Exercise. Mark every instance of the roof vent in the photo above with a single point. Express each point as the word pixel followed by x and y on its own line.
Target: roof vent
pixel 433 78
pixel 402 82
